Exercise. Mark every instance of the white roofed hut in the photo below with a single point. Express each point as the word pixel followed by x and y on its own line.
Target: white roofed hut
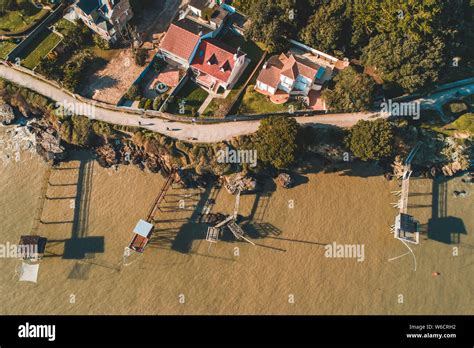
pixel 141 237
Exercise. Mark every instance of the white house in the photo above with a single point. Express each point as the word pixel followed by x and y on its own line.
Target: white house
pixel 105 17
pixel 291 74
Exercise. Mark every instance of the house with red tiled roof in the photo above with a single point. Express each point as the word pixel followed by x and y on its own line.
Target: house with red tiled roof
pixel 202 19
pixel 181 40
pixel 217 65
pixel 291 74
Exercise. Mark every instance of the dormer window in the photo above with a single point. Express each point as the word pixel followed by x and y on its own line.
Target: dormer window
pixel 212 60
pixel 226 66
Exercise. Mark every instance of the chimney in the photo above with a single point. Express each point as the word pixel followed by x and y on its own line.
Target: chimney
pixel 236 54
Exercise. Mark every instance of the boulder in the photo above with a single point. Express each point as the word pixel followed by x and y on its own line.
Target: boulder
pixel 238 182
pixel 106 156
pixel 285 180
pixel 6 113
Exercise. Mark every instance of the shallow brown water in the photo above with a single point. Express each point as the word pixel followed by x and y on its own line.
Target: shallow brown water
pixel 88 236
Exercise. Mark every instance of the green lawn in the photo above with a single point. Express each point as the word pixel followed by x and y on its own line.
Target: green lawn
pixel 462 124
pixel 254 102
pixel 5 48
pixel 192 95
pixel 219 107
pixel 39 48
pixel 460 110
pixel 25 16
pixel 63 24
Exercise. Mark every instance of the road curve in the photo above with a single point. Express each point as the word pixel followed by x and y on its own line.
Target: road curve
pixel 202 133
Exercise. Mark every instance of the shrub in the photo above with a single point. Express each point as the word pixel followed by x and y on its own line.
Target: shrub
pixel 148 104
pixel 101 43
pixel 140 56
pixel 133 92
pixel 157 102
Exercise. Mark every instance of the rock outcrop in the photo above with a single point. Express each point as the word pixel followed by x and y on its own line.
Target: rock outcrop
pixel 6 113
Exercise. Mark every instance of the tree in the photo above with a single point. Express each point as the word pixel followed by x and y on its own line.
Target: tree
pixel 371 140
pixel 157 102
pixel 148 104
pixel 404 61
pixel 351 91
pixel 8 5
pixel 74 69
pixel 100 42
pixel 140 56
pixel 325 29
pixel 102 129
pixel 276 141
pixel 273 22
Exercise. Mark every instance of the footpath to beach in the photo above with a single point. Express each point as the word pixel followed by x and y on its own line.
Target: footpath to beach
pixel 203 133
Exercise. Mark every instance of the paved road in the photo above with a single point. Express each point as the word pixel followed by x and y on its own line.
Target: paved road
pixel 203 133
pixel 435 101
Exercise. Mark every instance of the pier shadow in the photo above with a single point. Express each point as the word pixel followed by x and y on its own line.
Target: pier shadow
pixel 192 230
pixel 441 227
pixel 181 238
pixel 80 246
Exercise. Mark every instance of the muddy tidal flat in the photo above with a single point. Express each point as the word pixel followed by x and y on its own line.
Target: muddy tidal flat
pixel 89 214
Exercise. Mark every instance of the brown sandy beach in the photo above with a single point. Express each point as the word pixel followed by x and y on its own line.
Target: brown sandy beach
pixel 94 210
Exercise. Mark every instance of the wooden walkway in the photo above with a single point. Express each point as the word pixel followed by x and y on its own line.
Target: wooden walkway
pixel 156 204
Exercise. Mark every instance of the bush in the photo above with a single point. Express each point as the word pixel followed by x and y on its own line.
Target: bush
pixel 140 56
pixel 148 104
pixel 457 107
pixel 157 103
pixel 142 102
pixel 101 43
pixel 133 92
